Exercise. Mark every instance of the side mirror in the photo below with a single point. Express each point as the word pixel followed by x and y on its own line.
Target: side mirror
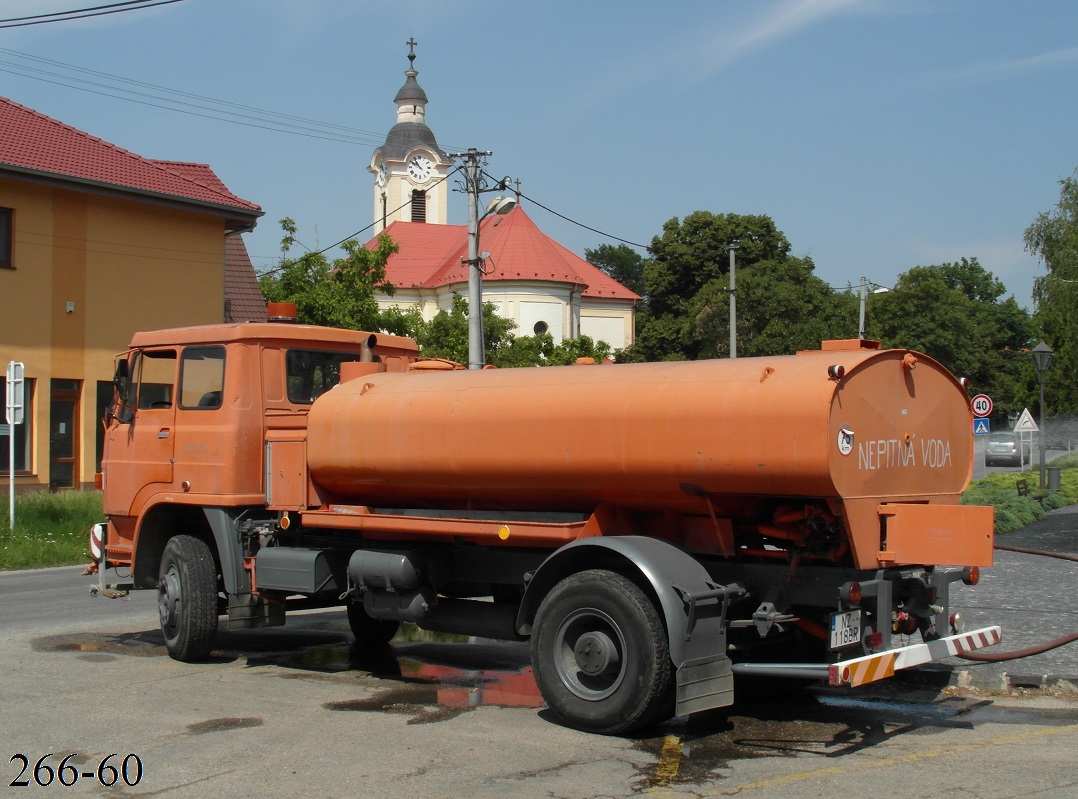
pixel 120 408
pixel 119 379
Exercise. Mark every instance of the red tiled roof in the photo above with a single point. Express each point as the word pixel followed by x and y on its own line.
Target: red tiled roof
pixel 33 142
pixel 423 250
pixel 243 297
pixel 431 256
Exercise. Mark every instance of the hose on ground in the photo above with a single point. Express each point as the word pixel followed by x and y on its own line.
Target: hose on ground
pixel 999 657
pixel 1059 555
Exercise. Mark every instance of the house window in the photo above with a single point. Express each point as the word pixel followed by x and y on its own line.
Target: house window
pixel 419 206
pixel 23 432
pixel 7 218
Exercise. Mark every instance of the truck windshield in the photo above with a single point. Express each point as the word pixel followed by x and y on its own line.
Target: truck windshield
pixel 311 373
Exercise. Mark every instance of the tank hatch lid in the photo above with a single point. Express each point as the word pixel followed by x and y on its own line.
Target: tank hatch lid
pixel 844 345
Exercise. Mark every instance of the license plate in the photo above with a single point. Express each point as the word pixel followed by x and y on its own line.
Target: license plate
pixel 845 629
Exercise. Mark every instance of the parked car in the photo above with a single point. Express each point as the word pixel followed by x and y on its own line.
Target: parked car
pixel 1003 449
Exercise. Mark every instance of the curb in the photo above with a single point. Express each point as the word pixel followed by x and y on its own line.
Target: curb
pixel 940 679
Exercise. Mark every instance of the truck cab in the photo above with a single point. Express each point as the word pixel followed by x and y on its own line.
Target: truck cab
pixel 198 414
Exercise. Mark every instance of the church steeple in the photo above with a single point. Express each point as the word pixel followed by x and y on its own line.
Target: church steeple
pixel 411 100
pixel 410 168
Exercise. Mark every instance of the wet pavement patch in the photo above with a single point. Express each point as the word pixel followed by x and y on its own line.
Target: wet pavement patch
pixel 141 644
pixel 436 692
pixel 223 725
pixel 687 751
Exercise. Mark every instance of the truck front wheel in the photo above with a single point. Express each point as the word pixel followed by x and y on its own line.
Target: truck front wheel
pixel 600 654
pixel 187 598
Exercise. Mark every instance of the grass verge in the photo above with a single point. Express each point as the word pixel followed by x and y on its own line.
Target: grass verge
pixel 51 529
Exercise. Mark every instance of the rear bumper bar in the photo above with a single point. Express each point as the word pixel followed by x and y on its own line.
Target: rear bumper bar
pixel 879 666
pixel 870 668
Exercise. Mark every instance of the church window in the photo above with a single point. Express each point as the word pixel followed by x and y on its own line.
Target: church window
pixel 419 206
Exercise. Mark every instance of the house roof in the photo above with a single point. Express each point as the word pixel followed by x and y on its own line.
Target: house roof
pixel 39 145
pixel 435 255
pixel 243 298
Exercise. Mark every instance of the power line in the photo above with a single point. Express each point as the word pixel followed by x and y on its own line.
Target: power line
pixel 226 105
pixel 83 13
pixel 75 11
pixel 212 113
pixel 216 109
pixel 581 224
pixel 405 204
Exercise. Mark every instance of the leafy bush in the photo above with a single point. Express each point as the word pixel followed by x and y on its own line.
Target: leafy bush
pixel 1014 511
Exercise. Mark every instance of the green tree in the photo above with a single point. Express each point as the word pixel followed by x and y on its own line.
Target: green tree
pixel 620 262
pixel 338 293
pixel 1053 237
pixel 956 313
pixel 446 335
pixel 782 306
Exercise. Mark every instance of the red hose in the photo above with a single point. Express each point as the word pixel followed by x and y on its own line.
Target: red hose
pixel 1058 555
pixel 999 657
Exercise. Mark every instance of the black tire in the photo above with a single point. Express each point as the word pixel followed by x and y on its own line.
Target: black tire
pixel 368 631
pixel 600 654
pixel 187 598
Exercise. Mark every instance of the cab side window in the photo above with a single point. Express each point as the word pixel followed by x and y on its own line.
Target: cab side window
pixel 311 373
pixel 154 377
pixel 202 378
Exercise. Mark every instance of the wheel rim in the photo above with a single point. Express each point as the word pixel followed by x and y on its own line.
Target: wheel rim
pixel 589 653
pixel 168 599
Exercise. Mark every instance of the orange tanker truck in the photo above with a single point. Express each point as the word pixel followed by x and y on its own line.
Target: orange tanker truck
pixel 656 530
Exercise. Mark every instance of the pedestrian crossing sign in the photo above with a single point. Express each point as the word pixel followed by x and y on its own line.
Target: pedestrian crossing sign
pixel 981 427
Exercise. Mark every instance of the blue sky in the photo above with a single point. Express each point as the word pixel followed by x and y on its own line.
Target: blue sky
pixel 878 134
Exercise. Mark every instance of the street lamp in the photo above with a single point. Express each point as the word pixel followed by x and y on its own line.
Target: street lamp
pixel 1042 359
pixel 731 248
pixel 499 205
pixel 864 302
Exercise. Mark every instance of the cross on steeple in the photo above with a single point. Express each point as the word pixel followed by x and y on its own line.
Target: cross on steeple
pixel 411 49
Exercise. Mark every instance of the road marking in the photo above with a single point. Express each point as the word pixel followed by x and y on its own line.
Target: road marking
pixel 669 761
pixel 892 761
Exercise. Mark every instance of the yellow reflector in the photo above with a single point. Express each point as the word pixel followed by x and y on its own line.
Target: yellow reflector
pixel 503 532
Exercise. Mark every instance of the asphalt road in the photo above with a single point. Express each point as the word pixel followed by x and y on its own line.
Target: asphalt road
pixel 1032 597
pixel 300 711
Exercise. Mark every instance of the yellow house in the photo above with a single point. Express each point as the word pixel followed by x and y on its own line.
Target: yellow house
pixel 95 244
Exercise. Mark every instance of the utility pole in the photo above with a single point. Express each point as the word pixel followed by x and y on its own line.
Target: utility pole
pixel 474 182
pixel 731 248
pixel 475 274
pixel 864 301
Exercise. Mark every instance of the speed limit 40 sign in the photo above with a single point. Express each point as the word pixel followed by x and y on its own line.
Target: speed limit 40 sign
pixel 982 405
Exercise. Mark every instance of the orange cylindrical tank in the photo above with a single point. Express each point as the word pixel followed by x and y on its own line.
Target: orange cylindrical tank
pixel 647 436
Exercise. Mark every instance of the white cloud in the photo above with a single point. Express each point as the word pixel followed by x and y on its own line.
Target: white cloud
pixel 1053 58
pixel 715 42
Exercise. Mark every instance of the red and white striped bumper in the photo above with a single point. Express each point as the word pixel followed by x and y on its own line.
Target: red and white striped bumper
pixel 870 668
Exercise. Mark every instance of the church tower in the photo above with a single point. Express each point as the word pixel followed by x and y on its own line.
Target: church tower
pixel 410 169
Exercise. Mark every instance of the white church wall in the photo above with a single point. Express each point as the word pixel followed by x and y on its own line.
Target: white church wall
pixel 615 330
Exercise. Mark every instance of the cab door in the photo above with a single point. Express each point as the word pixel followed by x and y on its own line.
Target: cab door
pixel 140 439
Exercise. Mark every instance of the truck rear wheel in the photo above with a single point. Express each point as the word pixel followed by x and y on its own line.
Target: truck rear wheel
pixel 600 654
pixel 187 598
pixel 369 631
